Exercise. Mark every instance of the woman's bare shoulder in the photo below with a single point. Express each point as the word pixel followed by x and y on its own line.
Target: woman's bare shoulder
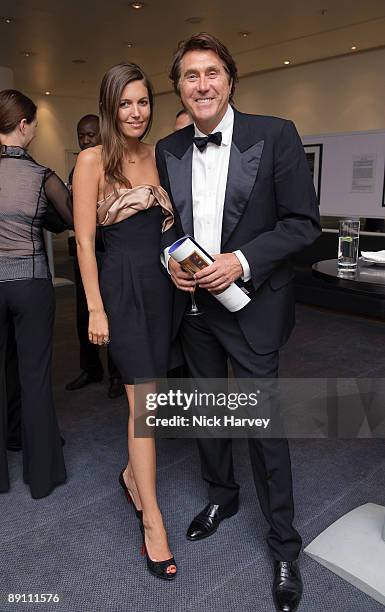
pixel 91 156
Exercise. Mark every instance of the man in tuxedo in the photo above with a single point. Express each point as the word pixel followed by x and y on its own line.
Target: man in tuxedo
pixel 240 184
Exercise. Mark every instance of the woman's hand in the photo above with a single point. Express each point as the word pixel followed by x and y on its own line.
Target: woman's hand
pixel 98 332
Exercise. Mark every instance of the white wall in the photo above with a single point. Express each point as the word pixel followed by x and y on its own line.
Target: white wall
pixel 6 78
pixel 57 120
pixel 340 95
pixel 344 94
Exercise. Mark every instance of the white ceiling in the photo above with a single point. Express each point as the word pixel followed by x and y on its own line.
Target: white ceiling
pixel 96 31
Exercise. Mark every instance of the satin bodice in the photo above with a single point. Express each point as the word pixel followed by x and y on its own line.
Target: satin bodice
pixel 126 202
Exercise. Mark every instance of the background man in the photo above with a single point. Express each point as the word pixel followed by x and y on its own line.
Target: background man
pixel 90 363
pixel 182 119
pixel 241 185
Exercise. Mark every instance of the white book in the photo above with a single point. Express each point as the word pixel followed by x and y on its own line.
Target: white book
pixel 192 257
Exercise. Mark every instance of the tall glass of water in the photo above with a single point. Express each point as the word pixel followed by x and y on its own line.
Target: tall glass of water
pixel 348 239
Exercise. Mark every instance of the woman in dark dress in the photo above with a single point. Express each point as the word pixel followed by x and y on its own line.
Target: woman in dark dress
pixel 30 194
pixel 117 186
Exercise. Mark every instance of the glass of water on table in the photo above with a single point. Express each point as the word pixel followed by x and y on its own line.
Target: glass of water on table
pixel 348 239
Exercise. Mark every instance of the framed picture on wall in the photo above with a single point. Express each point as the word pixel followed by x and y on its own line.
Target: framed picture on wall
pixel 313 154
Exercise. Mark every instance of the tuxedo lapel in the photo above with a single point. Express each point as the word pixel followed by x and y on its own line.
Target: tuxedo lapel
pixel 180 176
pixel 245 157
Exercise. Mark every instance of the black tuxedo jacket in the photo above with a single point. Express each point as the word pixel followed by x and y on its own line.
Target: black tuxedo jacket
pixel 270 212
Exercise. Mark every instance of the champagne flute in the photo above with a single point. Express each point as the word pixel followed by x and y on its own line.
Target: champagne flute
pixel 194 310
pixel 191 267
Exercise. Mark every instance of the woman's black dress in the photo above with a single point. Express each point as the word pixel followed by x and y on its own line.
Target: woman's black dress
pixel 135 288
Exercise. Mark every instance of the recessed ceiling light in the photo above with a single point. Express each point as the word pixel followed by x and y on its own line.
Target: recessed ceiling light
pixel 27 53
pixel 130 45
pixel 6 20
pixel 353 48
pixel 244 34
pixel 286 62
pixel 194 20
pixel 78 61
pixel 136 5
pixel 47 93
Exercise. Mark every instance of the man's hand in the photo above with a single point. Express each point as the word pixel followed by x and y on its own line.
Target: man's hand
pixel 220 274
pixel 181 279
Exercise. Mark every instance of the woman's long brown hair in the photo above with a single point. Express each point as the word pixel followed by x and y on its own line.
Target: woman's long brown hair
pixel 113 141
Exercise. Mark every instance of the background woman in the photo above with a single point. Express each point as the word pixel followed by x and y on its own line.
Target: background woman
pixel 29 192
pixel 118 184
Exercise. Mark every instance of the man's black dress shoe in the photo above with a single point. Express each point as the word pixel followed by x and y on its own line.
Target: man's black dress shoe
pixel 82 380
pixel 287 586
pixel 116 388
pixel 207 522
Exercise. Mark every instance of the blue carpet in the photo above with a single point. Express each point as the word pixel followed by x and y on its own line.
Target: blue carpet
pixel 83 542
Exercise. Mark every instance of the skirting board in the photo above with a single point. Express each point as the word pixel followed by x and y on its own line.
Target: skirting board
pixel 353 548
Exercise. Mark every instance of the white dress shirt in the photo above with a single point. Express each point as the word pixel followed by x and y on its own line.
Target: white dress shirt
pixel 209 179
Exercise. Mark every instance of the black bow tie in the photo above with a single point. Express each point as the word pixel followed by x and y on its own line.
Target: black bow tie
pixel 202 141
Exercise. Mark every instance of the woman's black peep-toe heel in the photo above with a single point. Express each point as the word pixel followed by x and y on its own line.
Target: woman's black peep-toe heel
pixel 158 568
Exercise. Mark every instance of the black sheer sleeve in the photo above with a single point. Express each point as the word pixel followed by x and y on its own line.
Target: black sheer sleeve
pixel 58 216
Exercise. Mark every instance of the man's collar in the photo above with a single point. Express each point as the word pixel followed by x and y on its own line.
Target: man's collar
pixel 225 126
pixel 178 143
